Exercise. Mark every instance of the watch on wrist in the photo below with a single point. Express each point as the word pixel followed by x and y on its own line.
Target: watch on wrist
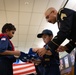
pixel 47 47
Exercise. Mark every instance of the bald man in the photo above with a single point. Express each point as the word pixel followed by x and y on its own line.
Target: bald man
pixel 66 19
pixel 51 15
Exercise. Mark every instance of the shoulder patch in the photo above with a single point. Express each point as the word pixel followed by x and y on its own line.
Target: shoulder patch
pixel 3 39
pixel 63 15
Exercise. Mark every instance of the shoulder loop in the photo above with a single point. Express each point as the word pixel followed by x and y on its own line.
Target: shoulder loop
pixel 60 10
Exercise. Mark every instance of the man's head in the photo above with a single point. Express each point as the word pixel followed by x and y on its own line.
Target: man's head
pixel 51 15
pixel 9 29
pixel 46 35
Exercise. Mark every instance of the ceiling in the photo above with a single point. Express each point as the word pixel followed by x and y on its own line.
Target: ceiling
pixel 28 18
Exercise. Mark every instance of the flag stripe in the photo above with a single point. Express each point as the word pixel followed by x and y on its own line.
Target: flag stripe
pixel 23 68
pixel 26 72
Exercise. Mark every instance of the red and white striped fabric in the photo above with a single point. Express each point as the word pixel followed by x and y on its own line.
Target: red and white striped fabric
pixel 23 68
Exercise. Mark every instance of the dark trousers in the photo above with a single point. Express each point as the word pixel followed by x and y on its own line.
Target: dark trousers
pixel 48 69
pixel 75 68
pixel 75 65
pixel 5 67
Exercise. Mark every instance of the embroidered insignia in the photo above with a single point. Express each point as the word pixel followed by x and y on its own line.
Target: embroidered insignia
pixel 3 39
pixel 62 16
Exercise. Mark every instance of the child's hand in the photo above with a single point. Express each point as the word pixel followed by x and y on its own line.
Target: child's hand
pixel 35 49
pixel 41 51
pixel 17 53
pixel 48 52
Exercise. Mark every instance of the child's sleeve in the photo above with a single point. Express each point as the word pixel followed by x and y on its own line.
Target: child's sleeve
pixel 3 44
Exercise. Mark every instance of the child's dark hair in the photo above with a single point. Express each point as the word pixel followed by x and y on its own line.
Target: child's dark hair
pixel 49 34
pixel 8 26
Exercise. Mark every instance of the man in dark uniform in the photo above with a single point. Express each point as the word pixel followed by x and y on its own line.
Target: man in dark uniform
pixel 66 19
pixel 49 64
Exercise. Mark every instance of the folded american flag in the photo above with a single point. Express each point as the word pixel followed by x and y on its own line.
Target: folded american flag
pixel 23 69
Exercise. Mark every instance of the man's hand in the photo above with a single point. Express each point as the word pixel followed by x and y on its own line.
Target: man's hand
pixel 41 51
pixel 62 49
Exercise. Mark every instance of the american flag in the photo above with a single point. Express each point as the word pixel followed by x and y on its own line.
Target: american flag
pixel 23 69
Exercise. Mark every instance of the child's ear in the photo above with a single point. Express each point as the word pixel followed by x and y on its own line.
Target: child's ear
pixel 7 30
pixel 51 36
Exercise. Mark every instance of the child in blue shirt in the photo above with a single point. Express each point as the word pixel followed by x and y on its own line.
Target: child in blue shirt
pixel 7 50
pixel 49 64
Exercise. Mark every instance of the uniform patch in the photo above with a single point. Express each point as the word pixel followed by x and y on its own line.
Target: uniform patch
pixel 63 15
pixel 3 39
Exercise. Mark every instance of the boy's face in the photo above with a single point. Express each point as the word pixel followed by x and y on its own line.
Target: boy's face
pixel 10 33
pixel 46 38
